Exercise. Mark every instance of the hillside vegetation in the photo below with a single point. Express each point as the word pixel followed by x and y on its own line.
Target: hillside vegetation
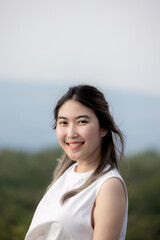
pixel 25 177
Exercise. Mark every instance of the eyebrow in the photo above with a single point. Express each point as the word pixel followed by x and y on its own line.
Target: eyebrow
pixel 81 116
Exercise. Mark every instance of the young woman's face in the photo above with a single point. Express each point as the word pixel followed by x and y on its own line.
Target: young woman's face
pixel 78 132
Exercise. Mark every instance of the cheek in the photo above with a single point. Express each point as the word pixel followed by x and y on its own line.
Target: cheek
pixel 60 134
pixel 92 132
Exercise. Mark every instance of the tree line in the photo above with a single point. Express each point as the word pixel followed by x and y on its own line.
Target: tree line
pixel 24 178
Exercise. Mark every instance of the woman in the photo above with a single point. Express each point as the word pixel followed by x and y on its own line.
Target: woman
pixel 87 199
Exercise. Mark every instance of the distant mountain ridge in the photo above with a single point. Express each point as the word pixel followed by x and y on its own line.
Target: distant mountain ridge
pixel 26 117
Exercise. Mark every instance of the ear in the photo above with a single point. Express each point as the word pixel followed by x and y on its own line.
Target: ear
pixel 104 132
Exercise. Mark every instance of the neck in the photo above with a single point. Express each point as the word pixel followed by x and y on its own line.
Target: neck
pixel 83 167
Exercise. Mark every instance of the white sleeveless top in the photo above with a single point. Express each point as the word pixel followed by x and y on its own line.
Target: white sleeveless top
pixel 72 221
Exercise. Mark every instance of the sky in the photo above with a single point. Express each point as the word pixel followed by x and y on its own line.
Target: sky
pixel 110 43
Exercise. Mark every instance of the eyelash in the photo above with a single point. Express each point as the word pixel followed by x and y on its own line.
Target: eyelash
pixel 63 123
pixel 82 121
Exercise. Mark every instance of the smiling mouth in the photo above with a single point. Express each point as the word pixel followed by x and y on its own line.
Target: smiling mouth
pixel 75 144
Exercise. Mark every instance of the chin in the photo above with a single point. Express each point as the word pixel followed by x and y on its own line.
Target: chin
pixel 74 158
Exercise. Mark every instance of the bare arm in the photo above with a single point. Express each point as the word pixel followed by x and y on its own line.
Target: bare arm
pixel 109 210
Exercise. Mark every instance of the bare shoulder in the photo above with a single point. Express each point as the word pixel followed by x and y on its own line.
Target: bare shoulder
pixel 109 210
pixel 112 187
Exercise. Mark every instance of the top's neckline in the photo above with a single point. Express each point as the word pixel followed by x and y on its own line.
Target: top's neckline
pixel 77 174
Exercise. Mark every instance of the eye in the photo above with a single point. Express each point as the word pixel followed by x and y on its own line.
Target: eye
pixel 82 122
pixel 62 123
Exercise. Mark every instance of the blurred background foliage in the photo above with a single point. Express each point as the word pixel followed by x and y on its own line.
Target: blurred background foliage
pixel 24 178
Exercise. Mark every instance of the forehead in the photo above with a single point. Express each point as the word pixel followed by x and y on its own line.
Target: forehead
pixel 74 108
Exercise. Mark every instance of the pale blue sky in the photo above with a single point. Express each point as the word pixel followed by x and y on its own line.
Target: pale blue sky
pixel 112 43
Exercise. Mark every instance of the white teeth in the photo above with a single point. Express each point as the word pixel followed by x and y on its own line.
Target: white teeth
pixel 74 144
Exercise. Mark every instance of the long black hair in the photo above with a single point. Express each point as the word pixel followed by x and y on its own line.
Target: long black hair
pixel 93 98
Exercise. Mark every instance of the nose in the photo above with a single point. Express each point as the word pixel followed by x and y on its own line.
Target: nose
pixel 72 131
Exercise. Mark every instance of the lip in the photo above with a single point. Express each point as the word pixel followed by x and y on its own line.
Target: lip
pixel 74 145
